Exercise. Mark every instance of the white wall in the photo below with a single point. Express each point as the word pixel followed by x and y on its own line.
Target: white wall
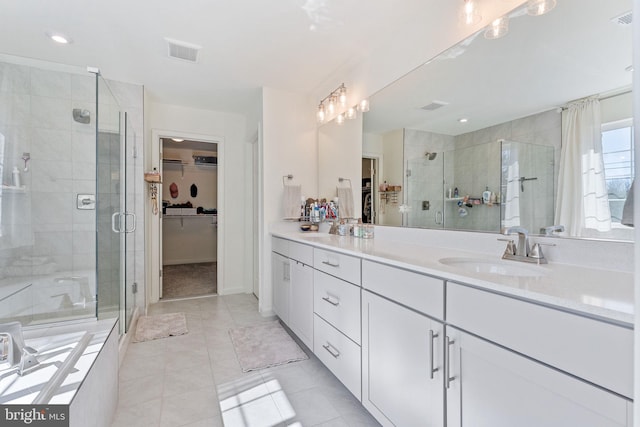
pixel 235 230
pixel 288 146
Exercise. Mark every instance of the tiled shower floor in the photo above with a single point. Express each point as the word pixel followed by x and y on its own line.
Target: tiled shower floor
pixel 180 381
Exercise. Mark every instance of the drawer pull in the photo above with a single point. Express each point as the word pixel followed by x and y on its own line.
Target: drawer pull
pixel 332 350
pixel 330 264
pixel 432 337
pixel 334 303
pixel 448 378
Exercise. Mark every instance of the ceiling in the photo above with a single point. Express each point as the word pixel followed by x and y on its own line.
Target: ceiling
pixel 542 63
pixel 246 44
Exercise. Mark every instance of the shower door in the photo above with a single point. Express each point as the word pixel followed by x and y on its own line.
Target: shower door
pixel 116 224
pixel 424 197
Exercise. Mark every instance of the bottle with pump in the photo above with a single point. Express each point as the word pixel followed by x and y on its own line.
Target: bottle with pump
pixel 15 174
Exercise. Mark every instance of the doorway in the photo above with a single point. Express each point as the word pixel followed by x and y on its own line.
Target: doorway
pixel 369 189
pixel 189 218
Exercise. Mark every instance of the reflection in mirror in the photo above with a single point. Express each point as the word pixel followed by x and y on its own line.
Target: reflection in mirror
pixel 515 93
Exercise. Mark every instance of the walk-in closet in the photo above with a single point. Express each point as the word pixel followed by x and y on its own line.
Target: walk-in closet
pixel 189 218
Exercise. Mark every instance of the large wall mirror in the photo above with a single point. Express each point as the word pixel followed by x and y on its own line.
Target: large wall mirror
pixel 472 140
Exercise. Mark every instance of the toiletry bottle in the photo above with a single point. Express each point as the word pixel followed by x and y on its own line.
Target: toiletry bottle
pixel 15 177
pixel 486 195
pixel 455 192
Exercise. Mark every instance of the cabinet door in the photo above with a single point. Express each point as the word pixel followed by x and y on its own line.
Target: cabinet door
pixel 492 386
pixel 281 286
pixel 301 306
pixel 402 364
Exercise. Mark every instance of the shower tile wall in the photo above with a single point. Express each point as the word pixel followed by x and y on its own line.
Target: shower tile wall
pixel 469 170
pixel 42 232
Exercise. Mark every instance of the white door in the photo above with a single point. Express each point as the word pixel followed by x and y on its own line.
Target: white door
pixel 402 364
pixel 281 286
pixel 301 306
pixel 492 386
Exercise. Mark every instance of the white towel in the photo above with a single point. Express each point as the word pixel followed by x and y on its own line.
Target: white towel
pixel 345 198
pixel 292 201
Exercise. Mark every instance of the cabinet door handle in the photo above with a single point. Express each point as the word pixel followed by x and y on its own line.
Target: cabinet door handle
pixel 330 264
pixel 448 378
pixel 332 350
pixel 432 337
pixel 331 301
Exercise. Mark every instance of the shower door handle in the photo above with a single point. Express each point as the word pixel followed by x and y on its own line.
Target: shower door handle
pixel 113 222
pixel 133 216
pixel 439 217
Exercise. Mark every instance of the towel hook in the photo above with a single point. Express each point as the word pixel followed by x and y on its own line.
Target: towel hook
pixel 345 179
pixel 289 177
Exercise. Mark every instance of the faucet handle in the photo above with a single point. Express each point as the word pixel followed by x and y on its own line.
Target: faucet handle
pixel 536 252
pixel 511 247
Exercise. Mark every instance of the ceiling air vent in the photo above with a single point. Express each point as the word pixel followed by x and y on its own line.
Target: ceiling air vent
pixel 183 50
pixel 624 19
pixel 434 105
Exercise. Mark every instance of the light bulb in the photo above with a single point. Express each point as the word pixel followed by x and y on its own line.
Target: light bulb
pixel 470 14
pixel 364 105
pixel 340 118
pixel 332 105
pixel 351 113
pixel 343 96
pixel 498 28
pixel 320 115
pixel 540 7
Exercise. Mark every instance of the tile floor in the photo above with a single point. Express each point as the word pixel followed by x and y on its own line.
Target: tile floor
pixel 195 379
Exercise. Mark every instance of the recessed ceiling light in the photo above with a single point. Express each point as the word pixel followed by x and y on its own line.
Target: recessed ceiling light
pixel 463 120
pixel 177 139
pixel 59 38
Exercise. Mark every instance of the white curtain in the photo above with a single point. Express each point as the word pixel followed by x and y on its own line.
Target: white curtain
pixel 511 198
pixel 582 201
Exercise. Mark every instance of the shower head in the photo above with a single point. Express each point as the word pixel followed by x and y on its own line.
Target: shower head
pixel 81 115
pixel 430 156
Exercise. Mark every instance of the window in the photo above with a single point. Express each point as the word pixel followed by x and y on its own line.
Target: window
pixel 617 151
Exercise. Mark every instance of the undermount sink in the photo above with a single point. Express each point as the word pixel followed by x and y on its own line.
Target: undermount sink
pixel 498 267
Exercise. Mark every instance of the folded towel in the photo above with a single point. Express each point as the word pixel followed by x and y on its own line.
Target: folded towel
pixel 292 201
pixel 345 198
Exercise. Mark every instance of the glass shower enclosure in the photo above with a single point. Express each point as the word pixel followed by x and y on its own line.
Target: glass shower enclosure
pixel 64 165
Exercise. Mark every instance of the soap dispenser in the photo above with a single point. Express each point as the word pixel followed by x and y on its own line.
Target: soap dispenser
pixel 486 195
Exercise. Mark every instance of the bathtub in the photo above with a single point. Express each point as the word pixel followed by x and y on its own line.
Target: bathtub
pixel 78 367
pixel 43 298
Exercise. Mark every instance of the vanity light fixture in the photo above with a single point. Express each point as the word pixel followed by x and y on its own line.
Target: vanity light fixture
pixel 351 113
pixel 364 105
pixel 338 95
pixel 470 13
pixel 332 105
pixel 498 28
pixel 340 118
pixel 540 7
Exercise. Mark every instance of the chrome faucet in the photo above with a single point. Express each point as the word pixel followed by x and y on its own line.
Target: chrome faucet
pixel 523 240
pixel 521 251
pixel 14 354
pixel 548 231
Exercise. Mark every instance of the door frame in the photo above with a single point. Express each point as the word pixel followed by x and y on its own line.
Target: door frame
pixel 378 166
pixel 154 230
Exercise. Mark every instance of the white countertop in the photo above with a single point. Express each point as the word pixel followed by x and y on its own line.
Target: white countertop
pixel 605 294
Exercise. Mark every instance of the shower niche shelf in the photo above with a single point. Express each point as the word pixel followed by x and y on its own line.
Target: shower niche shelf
pixel 11 189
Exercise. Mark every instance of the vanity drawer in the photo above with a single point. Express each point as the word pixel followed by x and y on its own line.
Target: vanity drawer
pixel 339 354
pixel 337 302
pixel 343 266
pixel 422 293
pixel 596 351
pixel 301 252
pixel 280 246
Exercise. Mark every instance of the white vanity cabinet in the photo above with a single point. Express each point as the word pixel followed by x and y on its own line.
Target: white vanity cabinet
pixel 336 307
pixel 402 348
pixel 281 273
pixel 293 286
pixel 532 365
pixel 492 386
